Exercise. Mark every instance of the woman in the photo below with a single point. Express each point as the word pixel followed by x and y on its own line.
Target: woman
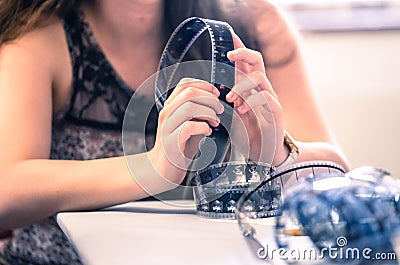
pixel 67 71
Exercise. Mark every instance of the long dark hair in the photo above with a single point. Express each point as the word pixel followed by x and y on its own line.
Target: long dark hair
pixel 18 17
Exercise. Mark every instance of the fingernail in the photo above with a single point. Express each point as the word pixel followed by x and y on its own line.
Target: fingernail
pixel 215 123
pixel 222 108
pixel 231 96
pixel 232 53
pixel 216 92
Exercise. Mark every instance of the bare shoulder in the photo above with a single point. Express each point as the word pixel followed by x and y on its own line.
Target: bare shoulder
pixel 43 51
pixel 277 38
pixel 38 44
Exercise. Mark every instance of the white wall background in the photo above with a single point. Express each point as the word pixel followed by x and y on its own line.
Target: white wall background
pixel 357 78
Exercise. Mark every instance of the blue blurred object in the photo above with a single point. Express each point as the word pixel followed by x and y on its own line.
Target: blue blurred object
pixel 351 218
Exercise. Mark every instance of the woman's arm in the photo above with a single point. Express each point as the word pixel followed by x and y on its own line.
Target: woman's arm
pixel 32 187
pixel 285 68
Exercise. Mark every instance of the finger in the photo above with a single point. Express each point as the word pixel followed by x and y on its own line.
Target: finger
pixel 256 80
pixel 188 129
pixel 250 57
pixel 184 83
pixel 197 96
pixel 237 42
pixel 190 111
pixel 175 145
pixel 262 98
pixel 240 67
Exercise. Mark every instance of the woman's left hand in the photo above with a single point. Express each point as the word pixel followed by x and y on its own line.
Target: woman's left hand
pixel 258 113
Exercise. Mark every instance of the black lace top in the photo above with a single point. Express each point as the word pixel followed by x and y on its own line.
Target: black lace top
pixel 88 128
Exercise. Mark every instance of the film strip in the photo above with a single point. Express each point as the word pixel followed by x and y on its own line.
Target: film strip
pixel 218 189
pixel 221 74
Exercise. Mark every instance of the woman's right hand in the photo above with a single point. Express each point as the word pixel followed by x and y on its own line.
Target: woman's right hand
pixel 184 121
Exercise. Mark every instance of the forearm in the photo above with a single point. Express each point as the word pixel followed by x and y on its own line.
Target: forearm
pixel 321 151
pixel 35 189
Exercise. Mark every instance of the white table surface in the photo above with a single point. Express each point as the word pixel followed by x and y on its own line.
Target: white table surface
pixel 155 233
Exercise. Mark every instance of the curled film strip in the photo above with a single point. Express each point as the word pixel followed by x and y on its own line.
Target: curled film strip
pixel 218 186
pixel 222 73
